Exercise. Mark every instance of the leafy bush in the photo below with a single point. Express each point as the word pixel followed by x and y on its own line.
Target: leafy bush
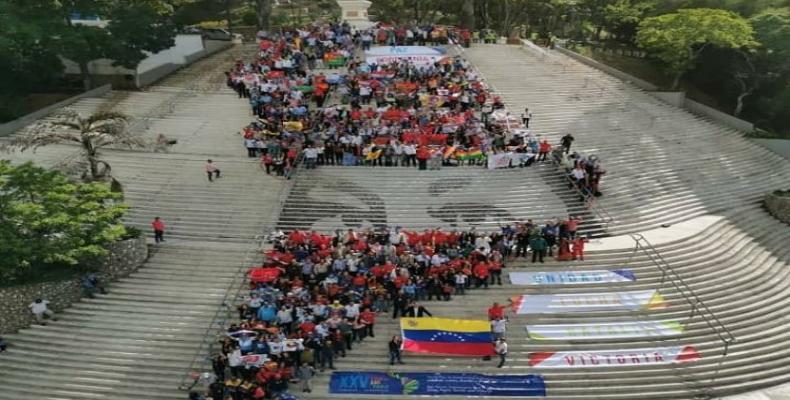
pixel 47 220
pixel 132 233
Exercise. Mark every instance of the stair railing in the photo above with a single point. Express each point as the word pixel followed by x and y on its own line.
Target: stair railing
pixel 698 307
pixel 201 360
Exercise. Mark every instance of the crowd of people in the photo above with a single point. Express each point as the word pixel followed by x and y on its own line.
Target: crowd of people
pixel 401 113
pixel 316 296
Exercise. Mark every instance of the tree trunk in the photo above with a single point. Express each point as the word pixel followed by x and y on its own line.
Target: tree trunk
pixel 598 30
pixel 228 16
pixel 93 163
pixel 676 81
pixel 468 14
pixel 87 78
pixel 263 11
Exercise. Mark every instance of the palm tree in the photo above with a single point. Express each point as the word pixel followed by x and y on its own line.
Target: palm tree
pixel 99 130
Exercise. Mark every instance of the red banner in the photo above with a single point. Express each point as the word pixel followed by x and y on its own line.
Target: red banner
pixel 264 275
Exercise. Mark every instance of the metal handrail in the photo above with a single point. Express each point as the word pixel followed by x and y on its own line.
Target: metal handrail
pixel 203 353
pixel 698 307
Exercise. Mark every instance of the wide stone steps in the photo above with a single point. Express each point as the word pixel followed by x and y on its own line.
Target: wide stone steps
pixel 140 340
pixel 665 167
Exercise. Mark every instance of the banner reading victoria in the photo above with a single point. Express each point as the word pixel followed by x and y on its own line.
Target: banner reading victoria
pixel 417 383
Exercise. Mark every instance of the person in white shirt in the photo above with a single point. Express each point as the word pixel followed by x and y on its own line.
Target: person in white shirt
pixel 409 155
pixel 498 328
pixel 501 348
pixel 352 310
pixel 39 310
pixel 235 362
pixel 460 282
pixel 310 157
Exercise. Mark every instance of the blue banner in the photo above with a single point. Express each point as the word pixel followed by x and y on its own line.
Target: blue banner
pixel 419 383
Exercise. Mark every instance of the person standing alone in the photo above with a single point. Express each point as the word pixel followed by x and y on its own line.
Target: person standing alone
pixel 501 348
pixel 159 230
pixel 211 170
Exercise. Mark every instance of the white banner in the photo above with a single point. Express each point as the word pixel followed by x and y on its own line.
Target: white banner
pixel 614 358
pixel 615 330
pixel 504 160
pixel 418 60
pixel 584 302
pixel 500 160
pixel 571 277
pixel 254 360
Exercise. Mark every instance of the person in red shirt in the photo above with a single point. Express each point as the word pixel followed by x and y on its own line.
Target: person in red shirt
pixel 544 150
pixel 359 280
pixel 368 318
pixel 578 248
pixel 496 312
pixel 423 154
pixel 159 230
pixel 481 273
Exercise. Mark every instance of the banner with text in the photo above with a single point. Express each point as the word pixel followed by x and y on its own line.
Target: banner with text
pixel 614 358
pixel 450 384
pixel 584 302
pixel 571 277
pixel 616 330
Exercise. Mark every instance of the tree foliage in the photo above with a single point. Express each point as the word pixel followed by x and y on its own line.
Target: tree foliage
pixel 47 220
pixel 677 39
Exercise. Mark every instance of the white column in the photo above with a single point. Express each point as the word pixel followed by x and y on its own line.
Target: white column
pixel 355 12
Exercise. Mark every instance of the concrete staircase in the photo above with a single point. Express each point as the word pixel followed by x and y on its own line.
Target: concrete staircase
pixel 140 340
pixel 335 197
pixel 665 165
pixel 687 181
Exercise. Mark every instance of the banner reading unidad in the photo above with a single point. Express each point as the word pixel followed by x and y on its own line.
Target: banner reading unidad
pixel 571 277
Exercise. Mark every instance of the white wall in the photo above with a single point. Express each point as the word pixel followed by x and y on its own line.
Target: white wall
pixel 185 46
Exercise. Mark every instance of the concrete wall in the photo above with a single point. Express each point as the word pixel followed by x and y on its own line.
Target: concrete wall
pixel 778 205
pixel 609 70
pixel 532 47
pixel 186 45
pixel 670 97
pixel 778 146
pixel 19 123
pixel 188 48
pixel 677 99
pixel 716 115
pixel 125 257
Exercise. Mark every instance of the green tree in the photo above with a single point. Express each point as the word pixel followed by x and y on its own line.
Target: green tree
pixel 91 133
pixel 679 38
pixel 135 27
pixel 28 61
pixel 47 220
pixel 623 16
pixel 468 14
pixel 768 63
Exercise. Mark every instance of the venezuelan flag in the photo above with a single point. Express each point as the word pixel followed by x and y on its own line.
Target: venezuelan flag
pixel 459 337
